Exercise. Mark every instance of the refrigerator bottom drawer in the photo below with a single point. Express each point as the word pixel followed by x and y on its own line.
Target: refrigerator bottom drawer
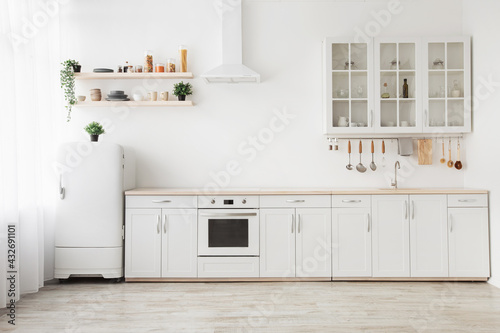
pixel 107 262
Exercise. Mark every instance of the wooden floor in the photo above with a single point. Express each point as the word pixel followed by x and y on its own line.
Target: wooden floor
pixel 98 306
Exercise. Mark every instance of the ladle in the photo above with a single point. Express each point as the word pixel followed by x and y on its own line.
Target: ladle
pixel 360 167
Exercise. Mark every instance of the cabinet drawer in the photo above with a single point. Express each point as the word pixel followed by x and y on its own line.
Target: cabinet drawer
pixel 467 200
pixel 291 201
pixel 159 201
pixel 351 201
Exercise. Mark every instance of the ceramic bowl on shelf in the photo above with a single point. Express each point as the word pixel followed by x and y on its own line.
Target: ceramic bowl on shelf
pixel 138 97
pixel 81 98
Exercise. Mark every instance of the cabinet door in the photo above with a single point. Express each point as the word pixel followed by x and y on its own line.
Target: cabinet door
pixel 397 60
pixel 391 236
pixel 447 85
pixel 142 243
pixel 348 73
pixel 351 242
pixel 469 242
pixel 277 242
pixel 179 252
pixel 313 242
pixel 428 236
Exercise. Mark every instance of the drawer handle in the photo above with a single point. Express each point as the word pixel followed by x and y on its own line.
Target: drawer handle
pixel 467 200
pixel 351 201
pixel 161 201
pixel 295 201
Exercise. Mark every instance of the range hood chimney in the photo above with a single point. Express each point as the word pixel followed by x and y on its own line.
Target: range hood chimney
pixel 232 69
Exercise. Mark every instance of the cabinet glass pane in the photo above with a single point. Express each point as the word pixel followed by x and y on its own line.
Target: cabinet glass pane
pixel 437 112
pixel 340 115
pixel 340 55
pixel 410 77
pixel 407 113
pixel 436 56
pixel 406 56
pixel 455 84
pixel 455 113
pixel 359 85
pixel 388 54
pixel 340 85
pixel 437 85
pixel 359 56
pixel 455 56
pixel 391 79
pixel 359 114
pixel 388 113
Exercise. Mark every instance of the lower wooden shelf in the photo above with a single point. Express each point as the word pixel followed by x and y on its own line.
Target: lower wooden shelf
pixel 134 103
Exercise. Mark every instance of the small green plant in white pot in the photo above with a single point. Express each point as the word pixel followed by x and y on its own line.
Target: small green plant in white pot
pixel 94 129
pixel 181 90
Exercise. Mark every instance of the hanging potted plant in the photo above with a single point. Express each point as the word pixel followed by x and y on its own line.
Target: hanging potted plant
pixel 181 90
pixel 70 67
pixel 94 129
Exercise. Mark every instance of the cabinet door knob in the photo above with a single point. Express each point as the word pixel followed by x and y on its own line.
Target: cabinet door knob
pixel 244 201
pixel 212 201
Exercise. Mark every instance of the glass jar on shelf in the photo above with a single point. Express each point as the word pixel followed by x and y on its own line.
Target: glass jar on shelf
pixel 183 58
pixel 171 65
pixel 160 68
pixel 148 61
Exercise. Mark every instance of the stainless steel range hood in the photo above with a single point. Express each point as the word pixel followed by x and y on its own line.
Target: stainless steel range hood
pixel 232 69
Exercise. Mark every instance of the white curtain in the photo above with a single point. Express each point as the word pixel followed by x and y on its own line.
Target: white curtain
pixel 30 106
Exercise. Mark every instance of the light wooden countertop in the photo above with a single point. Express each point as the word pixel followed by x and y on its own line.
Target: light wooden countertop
pixel 299 191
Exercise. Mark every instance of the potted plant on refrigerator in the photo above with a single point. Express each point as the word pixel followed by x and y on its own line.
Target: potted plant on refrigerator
pixel 94 129
pixel 181 90
pixel 70 67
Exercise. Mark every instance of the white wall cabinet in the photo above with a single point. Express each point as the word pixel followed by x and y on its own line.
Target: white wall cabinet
pixel 295 242
pixel 468 241
pixel 437 71
pixel 160 243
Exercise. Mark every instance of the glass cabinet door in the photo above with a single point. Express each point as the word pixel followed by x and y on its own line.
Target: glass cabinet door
pixel 447 86
pixel 348 87
pixel 396 86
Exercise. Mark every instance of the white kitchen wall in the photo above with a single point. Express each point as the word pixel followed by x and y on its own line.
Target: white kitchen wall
pixel 190 147
pixel 481 21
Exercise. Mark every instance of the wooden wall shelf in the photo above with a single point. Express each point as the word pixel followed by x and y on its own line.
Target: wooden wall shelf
pixel 132 76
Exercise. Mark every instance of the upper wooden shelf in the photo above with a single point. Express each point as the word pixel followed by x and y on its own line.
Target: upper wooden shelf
pixel 132 76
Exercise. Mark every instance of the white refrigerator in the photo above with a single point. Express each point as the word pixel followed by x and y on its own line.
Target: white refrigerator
pixel 89 214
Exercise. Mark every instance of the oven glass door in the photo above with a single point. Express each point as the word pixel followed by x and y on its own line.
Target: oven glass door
pixel 228 232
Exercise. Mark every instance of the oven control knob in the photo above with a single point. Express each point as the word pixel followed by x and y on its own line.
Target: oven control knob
pixel 212 202
pixel 244 201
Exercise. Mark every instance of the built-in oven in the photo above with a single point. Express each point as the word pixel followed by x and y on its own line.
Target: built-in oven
pixel 228 226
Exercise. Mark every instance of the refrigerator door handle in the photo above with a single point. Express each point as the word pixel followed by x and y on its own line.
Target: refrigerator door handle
pixel 62 190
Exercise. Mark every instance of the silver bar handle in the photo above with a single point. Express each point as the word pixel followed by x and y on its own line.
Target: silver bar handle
pixel 451 223
pixel 295 201
pixel 298 227
pixel 227 214
pixel 368 221
pixel 161 201
pixel 467 200
pixel 293 221
pixel 412 210
pixel 351 201
pixel 158 224
pixel 406 209
pixel 62 190
pixel 165 220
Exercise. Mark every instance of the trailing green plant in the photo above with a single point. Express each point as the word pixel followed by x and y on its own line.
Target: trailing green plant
pixel 68 84
pixel 183 89
pixel 94 128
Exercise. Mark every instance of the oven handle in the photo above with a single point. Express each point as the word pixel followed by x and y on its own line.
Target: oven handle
pixel 227 214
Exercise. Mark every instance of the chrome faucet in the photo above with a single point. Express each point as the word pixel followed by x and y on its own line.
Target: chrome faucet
pixel 396 167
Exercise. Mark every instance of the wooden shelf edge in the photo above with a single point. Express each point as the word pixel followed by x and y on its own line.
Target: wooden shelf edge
pixel 135 104
pixel 132 76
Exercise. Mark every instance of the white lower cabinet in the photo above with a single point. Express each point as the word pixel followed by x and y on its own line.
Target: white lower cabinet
pixel 351 242
pixel 160 243
pixel 469 242
pixel 428 236
pixel 295 242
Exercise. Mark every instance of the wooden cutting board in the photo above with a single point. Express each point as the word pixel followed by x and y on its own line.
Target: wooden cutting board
pixel 424 152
